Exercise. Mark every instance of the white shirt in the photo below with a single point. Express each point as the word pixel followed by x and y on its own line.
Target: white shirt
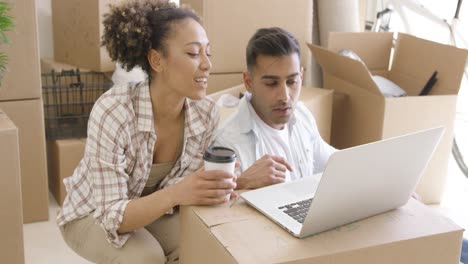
pixel 309 151
pixel 276 141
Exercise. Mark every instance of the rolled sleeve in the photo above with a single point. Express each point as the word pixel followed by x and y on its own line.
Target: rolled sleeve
pixel 108 177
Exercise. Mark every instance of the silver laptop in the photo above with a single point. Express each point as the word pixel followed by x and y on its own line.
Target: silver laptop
pixel 357 183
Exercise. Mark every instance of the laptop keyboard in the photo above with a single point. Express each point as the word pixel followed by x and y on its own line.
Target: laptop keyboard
pixel 297 210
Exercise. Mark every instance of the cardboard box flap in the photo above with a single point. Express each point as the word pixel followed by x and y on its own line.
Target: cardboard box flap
pixel 344 68
pixel 419 58
pixel 225 214
pixel 373 48
pixel 5 122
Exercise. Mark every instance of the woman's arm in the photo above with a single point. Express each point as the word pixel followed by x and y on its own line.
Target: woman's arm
pixel 199 188
pixel 145 210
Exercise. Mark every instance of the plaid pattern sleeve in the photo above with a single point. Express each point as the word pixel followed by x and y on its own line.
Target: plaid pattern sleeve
pixel 100 181
pixel 116 162
pixel 108 136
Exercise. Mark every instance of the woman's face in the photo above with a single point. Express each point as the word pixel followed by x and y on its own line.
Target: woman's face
pixel 186 64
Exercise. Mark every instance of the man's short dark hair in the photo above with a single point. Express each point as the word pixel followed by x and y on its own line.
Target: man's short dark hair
pixel 272 41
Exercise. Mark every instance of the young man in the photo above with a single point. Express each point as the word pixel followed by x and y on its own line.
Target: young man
pixel 275 136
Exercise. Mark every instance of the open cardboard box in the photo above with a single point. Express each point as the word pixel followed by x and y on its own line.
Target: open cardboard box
pixel 411 234
pixel 362 115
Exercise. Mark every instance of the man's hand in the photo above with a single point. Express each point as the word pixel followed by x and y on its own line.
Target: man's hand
pixel 266 171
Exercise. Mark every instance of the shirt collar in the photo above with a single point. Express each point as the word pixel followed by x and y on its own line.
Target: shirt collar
pixel 194 121
pixel 246 119
pixel 194 124
pixel 144 110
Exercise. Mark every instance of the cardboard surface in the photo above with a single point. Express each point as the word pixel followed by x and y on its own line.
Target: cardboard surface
pixel 230 24
pixel 220 81
pixel 11 214
pixel 319 102
pixel 77 27
pixel 28 117
pixel 22 78
pixel 48 65
pixel 365 115
pixel 63 156
pixel 410 234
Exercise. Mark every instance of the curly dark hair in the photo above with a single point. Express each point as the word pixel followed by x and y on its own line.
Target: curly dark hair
pixel 133 27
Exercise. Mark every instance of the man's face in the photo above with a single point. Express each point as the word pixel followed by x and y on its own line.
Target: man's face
pixel 275 84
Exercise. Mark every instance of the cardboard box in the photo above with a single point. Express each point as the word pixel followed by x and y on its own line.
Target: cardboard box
pixel 28 117
pixel 77 27
pixel 220 81
pixel 411 234
pixel 319 101
pixel 230 24
pixel 22 79
pixel 11 214
pixel 49 64
pixel 63 156
pixel 364 115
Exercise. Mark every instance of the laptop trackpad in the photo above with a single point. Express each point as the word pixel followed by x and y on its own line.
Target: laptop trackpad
pixel 304 187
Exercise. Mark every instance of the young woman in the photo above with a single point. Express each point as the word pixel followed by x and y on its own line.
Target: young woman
pixel 145 141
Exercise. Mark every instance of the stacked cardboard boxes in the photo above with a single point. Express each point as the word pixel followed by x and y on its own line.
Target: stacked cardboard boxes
pixel 20 99
pixel 230 24
pixel 77 27
pixel 361 114
pixel 11 214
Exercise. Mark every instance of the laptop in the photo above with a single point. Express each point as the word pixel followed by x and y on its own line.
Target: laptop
pixel 357 183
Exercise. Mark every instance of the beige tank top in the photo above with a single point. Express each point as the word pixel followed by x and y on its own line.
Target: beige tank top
pixel 160 170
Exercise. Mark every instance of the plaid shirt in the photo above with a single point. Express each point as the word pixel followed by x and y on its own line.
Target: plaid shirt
pixel 119 154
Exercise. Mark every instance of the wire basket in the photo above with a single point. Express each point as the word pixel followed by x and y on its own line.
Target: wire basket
pixel 68 98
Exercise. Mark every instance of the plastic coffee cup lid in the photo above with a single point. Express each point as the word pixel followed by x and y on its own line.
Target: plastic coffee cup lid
pixel 219 155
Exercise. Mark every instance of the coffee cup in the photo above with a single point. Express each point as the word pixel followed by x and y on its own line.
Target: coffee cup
pixel 220 158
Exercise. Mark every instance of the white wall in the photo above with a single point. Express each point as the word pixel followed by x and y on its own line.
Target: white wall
pixel 44 18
